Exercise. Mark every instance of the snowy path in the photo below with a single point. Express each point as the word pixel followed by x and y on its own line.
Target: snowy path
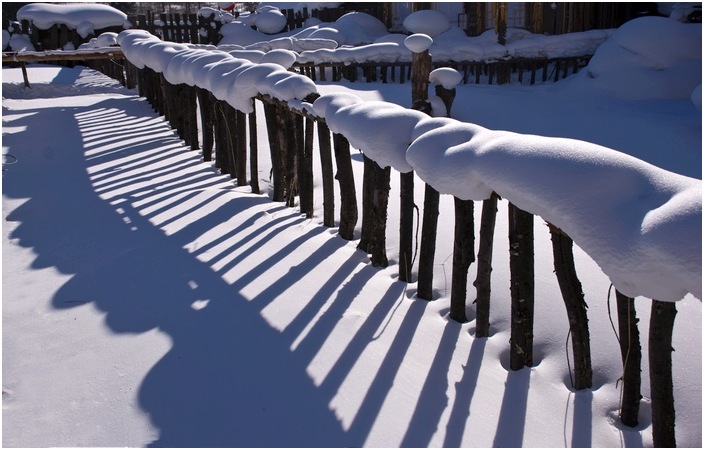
pixel 148 302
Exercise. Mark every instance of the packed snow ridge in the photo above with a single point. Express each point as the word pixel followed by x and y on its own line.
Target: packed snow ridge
pixel 640 223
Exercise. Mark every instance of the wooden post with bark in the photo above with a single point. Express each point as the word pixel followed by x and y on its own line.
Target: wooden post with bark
pixel 328 177
pixel 426 258
pixel 662 319
pixel 205 101
pixel 253 153
pixel 305 169
pixel 484 264
pixel 270 113
pixel 421 63
pixel 521 262
pixel 631 356
pixel 348 196
pixel 376 184
pixel 576 307
pixel 462 258
pixel 241 147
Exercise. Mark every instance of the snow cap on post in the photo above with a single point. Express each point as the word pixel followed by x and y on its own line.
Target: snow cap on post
pixel 428 22
pixel 446 77
pixel 418 43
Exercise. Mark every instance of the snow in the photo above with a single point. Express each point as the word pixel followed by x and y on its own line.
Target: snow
pixel 270 21
pixel 428 22
pixel 446 77
pixel 84 18
pixel 657 68
pixel 418 42
pixel 148 301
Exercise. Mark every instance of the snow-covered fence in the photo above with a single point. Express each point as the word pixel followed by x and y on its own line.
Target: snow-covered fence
pixel 518 70
pixel 641 224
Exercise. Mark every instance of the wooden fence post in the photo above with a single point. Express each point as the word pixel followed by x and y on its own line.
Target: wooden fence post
pixel 270 113
pixel 348 196
pixel 305 169
pixel 521 262
pixel 462 258
pixel 241 147
pixel 328 178
pixel 375 200
pixel 662 319
pixel 253 153
pixel 573 297
pixel 484 260
pixel 631 356
pixel 192 114
pixel 205 101
pixel 426 259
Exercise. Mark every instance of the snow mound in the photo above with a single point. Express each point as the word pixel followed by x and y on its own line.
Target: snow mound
pixel 649 216
pixel 86 16
pixel 418 42
pixel 648 58
pixel 428 22
pixel 446 77
pixel 270 21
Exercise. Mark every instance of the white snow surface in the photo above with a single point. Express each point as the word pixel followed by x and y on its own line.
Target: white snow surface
pixel 149 301
pixel 84 18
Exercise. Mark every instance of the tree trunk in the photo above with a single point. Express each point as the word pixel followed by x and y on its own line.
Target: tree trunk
pixel 629 341
pixel 348 195
pixel 662 319
pixel 426 259
pixel 462 258
pixel 521 262
pixel 484 261
pixel 573 297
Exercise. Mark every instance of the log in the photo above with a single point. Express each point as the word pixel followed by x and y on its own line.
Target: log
pixel 662 319
pixel 375 201
pixel 348 196
pixel 631 356
pixel 521 263
pixel 327 174
pixel 484 264
pixel 253 153
pixel 462 258
pixel 426 258
pixel 572 295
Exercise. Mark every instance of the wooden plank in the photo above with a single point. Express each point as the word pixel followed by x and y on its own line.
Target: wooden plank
pixel 63 55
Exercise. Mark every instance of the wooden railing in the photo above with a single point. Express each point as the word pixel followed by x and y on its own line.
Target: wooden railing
pixel 521 70
pixel 291 134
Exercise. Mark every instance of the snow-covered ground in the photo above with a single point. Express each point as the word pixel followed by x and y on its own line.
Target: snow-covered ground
pixel 147 301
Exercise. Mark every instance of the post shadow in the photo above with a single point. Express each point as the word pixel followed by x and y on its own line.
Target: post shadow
pixel 464 393
pixel 512 417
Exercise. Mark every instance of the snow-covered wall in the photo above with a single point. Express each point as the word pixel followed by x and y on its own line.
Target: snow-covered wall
pixel 640 223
